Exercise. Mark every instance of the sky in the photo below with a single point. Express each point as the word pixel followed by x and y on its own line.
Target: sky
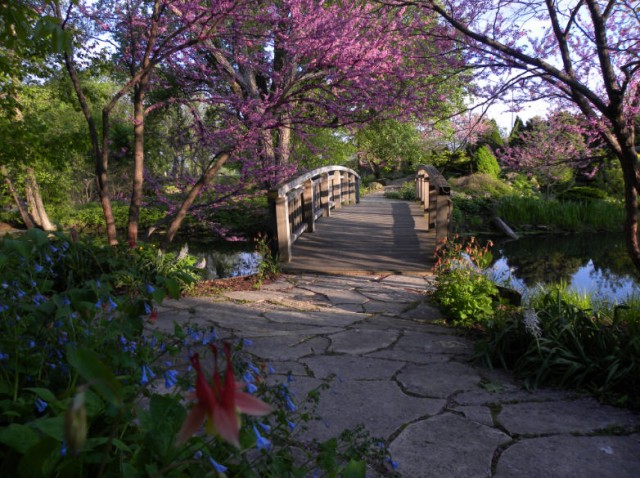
pixel 505 118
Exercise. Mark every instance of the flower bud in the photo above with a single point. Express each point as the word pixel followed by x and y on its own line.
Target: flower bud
pixel 75 424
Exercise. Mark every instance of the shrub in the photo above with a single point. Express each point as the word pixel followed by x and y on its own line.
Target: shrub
pixel 91 217
pixel 86 389
pixel 486 162
pixel 582 193
pixel 560 344
pixel 566 216
pixel 407 192
pixel 466 295
pixel 481 185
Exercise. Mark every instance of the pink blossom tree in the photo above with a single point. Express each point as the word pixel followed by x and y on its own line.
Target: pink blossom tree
pixel 583 54
pixel 250 74
pixel 142 34
pixel 304 64
pixel 552 150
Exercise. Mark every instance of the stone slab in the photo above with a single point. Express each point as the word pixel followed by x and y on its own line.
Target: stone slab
pixel 436 344
pixel 382 408
pixel 438 380
pixel 566 456
pixel 446 445
pixel 289 347
pixel 391 294
pixel 349 367
pixel 577 416
pixel 361 341
pixel 332 318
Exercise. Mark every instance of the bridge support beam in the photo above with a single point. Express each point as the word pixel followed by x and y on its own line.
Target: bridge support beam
pixel 325 194
pixel 296 204
pixel 309 212
pixel 435 195
pixel 283 228
pixel 337 189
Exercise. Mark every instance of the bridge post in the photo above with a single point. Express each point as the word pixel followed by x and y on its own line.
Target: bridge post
pixel 283 228
pixel 308 205
pixel 443 218
pixel 357 189
pixel 337 185
pixel 351 188
pixel 422 186
pixel 325 195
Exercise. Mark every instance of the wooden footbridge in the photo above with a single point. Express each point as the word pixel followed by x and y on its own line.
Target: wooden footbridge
pixel 322 225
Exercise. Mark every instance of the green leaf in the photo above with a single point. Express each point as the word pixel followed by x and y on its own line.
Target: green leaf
pixel 19 437
pixel 53 427
pixel 355 469
pixel 43 393
pixel 173 288
pixel 88 364
pixel 40 458
pixel 158 295
pixel 21 247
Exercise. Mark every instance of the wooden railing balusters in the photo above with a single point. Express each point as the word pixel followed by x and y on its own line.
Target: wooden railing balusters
pixel 297 204
pixel 434 193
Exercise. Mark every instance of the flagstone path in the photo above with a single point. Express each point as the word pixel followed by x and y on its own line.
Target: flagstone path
pixel 411 381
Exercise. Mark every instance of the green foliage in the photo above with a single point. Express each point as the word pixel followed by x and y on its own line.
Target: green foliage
pixel 324 147
pixel 50 137
pixel 407 192
pixel 87 389
pixel 269 265
pixel 387 146
pixel 609 178
pixel 595 215
pixel 486 162
pixel 559 343
pixel 466 295
pixel 523 185
pixel 481 185
pixel 458 163
pixel 90 216
pixel 582 193
pixel 246 216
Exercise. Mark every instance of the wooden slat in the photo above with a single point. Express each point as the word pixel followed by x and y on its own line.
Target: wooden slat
pixel 376 236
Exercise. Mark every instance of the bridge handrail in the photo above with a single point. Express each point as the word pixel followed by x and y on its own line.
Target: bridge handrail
pixel 296 204
pixel 434 194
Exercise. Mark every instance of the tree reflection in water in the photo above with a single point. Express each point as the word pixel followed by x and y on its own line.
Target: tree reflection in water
pixel 593 263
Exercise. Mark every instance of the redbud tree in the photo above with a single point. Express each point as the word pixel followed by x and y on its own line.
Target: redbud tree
pixel 582 54
pixel 251 74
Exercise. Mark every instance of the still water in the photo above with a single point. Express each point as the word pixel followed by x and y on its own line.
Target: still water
pixel 594 263
pixel 220 262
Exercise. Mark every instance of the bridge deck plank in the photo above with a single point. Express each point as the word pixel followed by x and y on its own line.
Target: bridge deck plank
pixel 378 235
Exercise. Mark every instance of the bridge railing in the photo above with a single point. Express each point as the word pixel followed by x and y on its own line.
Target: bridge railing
pixel 434 193
pixel 296 204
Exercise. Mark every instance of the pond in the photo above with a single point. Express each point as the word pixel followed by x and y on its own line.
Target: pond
pixel 593 263
pixel 222 262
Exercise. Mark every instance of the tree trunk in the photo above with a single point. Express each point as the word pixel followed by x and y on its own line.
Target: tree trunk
pixel 138 162
pixel 22 207
pixel 218 162
pixel 102 163
pixel 631 171
pixel 284 142
pixel 100 155
pixel 37 206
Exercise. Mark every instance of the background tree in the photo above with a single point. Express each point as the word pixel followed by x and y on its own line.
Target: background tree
pixel 388 146
pixel 486 162
pixel 553 151
pixel 305 64
pixel 583 53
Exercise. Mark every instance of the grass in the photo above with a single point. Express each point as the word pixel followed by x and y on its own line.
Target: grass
pixel 568 216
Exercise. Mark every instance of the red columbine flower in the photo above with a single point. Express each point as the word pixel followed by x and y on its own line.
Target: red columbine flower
pixel 218 405
pixel 153 315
